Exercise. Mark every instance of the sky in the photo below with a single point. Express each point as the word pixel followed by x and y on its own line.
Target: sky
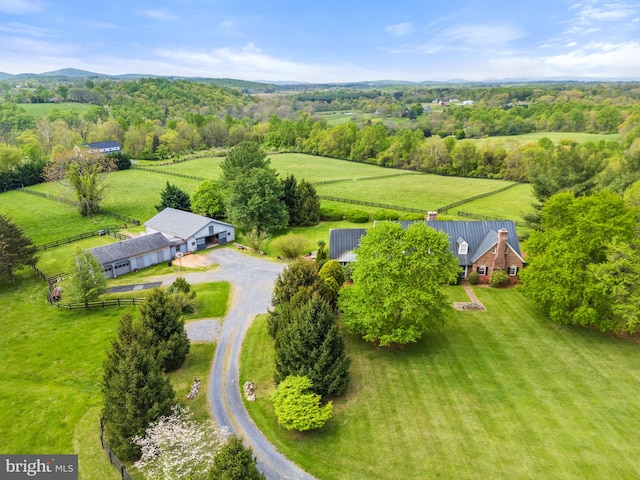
pixel 326 41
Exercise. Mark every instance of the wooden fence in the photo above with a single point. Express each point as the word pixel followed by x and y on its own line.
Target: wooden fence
pixel 476 216
pixel 113 459
pixel 446 208
pixel 103 231
pixel 373 204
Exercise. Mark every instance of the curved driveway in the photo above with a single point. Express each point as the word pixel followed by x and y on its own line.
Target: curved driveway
pixel 252 281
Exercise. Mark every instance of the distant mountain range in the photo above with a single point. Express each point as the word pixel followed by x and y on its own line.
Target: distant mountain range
pixel 74 73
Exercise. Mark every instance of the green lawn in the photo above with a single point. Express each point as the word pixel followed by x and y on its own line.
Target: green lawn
pixel 500 394
pixel 579 137
pixel 44 109
pixel 512 204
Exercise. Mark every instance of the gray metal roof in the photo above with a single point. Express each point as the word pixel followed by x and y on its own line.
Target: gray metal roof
pixel 129 248
pixel 479 234
pixel 179 223
pixel 342 242
pixel 110 144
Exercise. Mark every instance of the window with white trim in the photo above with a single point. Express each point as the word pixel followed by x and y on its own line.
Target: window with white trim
pixel 463 248
pixel 512 270
pixel 482 270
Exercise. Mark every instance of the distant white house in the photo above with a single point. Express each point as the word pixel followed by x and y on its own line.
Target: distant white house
pixel 104 147
pixel 188 232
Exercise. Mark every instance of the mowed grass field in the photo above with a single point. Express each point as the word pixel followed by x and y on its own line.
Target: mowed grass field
pixel 555 137
pixel 499 394
pixel 44 109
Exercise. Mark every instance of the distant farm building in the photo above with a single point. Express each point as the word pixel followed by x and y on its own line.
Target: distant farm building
pixel 104 147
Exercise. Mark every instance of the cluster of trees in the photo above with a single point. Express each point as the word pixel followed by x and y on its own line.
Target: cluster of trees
pixel 583 263
pixel 249 194
pixel 135 388
pixel 311 363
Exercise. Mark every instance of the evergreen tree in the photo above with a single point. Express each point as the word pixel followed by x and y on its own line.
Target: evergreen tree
pixel 162 316
pixel 311 345
pixel 172 196
pixel 332 269
pixel 307 204
pixel 297 407
pixel 289 198
pixel 241 159
pixel 89 281
pixel 16 249
pixel 135 390
pixel 322 255
pixel 234 461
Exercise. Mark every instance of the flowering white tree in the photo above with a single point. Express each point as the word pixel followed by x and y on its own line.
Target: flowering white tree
pixel 177 446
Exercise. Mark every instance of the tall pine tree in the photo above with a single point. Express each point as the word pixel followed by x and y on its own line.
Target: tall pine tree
pixel 135 390
pixel 16 249
pixel 162 316
pixel 310 344
pixel 172 196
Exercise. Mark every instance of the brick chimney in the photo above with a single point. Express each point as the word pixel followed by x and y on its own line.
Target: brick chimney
pixel 500 257
pixel 432 216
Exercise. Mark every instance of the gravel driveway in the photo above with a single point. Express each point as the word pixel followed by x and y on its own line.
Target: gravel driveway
pixel 252 281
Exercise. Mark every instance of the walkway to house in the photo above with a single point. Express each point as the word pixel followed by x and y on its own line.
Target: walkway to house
pixel 473 304
pixel 137 286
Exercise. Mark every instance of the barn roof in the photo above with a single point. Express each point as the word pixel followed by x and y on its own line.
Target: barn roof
pixel 110 144
pixel 179 223
pixel 129 248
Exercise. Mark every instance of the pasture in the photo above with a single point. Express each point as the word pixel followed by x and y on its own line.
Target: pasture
pixel 52 359
pixel 499 394
pixel 44 109
pixel 555 137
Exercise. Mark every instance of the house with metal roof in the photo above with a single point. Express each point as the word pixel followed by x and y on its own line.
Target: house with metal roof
pixel 188 232
pixel 479 246
pixel 104 147
pixel 133 254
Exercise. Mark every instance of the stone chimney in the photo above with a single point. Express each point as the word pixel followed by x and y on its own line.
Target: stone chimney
pixel 500 257
pixel 432 216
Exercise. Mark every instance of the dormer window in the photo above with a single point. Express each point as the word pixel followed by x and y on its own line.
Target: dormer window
pixel 463 248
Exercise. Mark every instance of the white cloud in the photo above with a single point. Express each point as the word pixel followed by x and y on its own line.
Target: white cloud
pixel 163 15
pixel 595 60
pixel 227 24
pixel 609 12
pixel 17 28
pixel 249 62
pixel 18 7
pixel 400 29
pixel 483 35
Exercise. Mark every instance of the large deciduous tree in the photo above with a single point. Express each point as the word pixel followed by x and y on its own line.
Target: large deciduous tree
pixel 255 201
pixel 397 294
pixel 575 271
pixel 208 200
pixel 16 249
pixel 161 314
pixel 85 173
pixel 173 197
pixel 135 390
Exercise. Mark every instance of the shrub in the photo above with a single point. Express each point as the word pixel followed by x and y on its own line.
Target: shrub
pixel 474 278
pixel 297 407
pixel 255 239
pixel 357 216
pixel 499 278
pixel 331 214
pixel 332 269
pixel 290 245
pixel 385 215
pixel 412 216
